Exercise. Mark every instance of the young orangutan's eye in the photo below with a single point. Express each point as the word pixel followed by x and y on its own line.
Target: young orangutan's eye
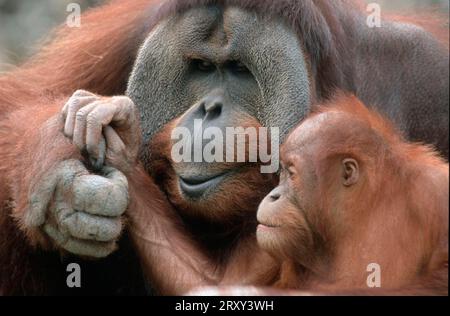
pixel 290 171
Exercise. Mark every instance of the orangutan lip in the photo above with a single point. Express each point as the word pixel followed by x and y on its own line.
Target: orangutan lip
pixel 196 186
pixel 268 225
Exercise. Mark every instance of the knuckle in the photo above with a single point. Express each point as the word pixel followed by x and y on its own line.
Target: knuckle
pixel 82 93
pixel 74 104
pixel 123 99
pixel 67 223
pixel 117 202
pixel 122 204
pixel 95 184
pixel 126 102
pixel 68 170
pixel 79 92
pixel 110 232
pixel 108 186
pixel 80 115
pixel 91 119
pixel 65 109
pixel 101 187
pixel 98 195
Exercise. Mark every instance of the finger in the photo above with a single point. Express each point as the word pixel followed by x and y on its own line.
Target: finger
pixel 59 238
pixel 39 201
pixel 60 212
pixel 99 117
pixel 91 227
pixel 83 93
pixel 93 249
pixel 67 172
pixel 121 111
pixel 116 177
pixel 98 163
pixel 98 195
pixel 61 207
pixel 117 153
pixel 127 119
pixel 77 94
pixel 72 107
pixel 113 141
pixel 79 131
pixel 126 112
pixel 43 193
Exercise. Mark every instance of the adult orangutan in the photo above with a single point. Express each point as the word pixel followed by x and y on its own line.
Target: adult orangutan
pixel 231 63
pixel 353 193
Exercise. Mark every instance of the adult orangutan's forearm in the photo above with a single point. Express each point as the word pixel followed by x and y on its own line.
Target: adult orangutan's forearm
pixel 170 259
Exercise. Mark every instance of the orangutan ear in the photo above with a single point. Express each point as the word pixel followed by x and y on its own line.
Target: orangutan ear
pixel 350 172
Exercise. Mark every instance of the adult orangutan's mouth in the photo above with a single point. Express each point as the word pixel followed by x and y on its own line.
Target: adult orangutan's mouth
pixel 195 186
pixel 267 226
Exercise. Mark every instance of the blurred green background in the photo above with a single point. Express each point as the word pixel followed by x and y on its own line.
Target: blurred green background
pixel 24 22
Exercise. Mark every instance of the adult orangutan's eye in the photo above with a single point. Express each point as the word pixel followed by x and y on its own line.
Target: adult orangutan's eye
pixel 239 67
pixel 204 65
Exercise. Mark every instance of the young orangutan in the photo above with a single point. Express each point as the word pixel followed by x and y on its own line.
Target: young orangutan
pixel 354 195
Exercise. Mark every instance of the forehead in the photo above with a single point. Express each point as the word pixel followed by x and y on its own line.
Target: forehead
pixel 311 129
pixel 227 28
pixel 211 18
pixel 316 131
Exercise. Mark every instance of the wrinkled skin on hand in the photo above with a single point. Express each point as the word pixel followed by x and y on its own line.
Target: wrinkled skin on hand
pixel 107 129
pixel 82 212
pixel 79 211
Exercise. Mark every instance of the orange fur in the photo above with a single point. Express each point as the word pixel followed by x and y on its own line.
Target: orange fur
pixel 397 215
